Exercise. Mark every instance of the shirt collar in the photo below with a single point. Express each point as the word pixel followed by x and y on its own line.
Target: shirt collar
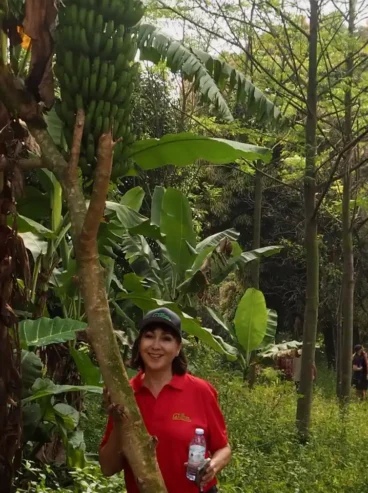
pixel 177 382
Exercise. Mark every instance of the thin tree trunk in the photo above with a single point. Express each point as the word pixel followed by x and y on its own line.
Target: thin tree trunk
pixel 257 219
pixel 254 266
pixel 347 236
pixel 311 240
pixel 338 342
pixel 348 292
pixel 138 446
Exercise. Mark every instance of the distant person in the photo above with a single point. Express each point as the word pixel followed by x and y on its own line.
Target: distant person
pixel 360 371
pixel 297 368
pixel 284 363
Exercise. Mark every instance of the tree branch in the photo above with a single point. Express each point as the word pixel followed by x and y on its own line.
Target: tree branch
pixel 332 178
pixel 100 188
pixel 288 19
pixel 339 155
pixel 24 164
pixel 76 145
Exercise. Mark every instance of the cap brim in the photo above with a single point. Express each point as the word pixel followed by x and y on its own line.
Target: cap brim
pixel 161 321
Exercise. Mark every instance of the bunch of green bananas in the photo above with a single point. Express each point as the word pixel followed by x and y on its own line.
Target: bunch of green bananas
pixel 95 51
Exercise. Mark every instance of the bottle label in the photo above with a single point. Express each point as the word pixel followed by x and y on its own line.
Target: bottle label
pixel 197 455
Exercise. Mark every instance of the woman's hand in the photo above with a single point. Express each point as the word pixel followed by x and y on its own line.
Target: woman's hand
pixel 219 460
pixel 116 411
pixel 211 471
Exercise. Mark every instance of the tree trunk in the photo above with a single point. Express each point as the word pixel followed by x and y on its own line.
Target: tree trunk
pixel 138 446
pixel 347 235
pixel 338 342
pixel 257 219
pixel 254 266
pixel 311 240
pixel 348 292
pixel 13 265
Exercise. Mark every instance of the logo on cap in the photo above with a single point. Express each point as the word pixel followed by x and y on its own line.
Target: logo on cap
pixel 161 315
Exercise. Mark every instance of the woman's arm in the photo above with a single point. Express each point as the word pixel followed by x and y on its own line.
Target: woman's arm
pixel 111 459
pixel 219 460
pixel 110 455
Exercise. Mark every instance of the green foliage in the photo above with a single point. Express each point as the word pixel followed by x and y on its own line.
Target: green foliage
pixel 46 388
pixel 266 456
pixel 45 331
pixel 186 148
pixel 45 479
pixel 211 75
pixel 176 225
pixel 182 269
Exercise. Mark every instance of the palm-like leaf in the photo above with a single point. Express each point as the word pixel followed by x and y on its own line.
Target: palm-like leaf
pixel 210 74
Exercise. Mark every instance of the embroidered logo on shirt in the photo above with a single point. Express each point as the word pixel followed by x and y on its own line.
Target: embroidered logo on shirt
pixel 181 417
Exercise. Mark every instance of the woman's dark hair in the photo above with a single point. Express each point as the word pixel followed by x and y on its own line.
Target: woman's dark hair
pixel 179 364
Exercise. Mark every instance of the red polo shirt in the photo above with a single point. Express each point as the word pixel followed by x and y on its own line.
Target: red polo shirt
pixel 183 405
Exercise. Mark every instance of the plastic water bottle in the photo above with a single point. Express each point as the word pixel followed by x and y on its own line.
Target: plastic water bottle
pixel 197 453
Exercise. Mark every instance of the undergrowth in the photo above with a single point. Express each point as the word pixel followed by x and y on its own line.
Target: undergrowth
pixel 267 458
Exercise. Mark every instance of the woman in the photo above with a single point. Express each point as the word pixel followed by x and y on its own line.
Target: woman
pixel 360 371
pixel 173 404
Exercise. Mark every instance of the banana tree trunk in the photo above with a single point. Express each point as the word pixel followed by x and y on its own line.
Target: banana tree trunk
pixel 138 446
pixel 13 265
pixel 311 241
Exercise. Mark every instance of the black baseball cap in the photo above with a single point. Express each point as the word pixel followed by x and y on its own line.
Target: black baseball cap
pixel 162 316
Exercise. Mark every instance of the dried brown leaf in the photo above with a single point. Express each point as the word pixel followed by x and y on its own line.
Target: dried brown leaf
pixel 38 22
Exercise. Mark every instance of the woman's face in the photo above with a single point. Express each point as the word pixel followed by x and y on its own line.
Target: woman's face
pixel 158 348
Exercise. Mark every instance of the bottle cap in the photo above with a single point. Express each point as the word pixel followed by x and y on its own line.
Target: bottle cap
pixel 199 431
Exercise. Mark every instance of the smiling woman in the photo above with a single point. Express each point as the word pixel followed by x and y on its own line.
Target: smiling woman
pixel 173 405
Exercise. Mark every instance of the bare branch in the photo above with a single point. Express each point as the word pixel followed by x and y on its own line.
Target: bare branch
pixel 338 65
pixel 339 155
pixel 285 17
pixel 77 140
pixel 324 48
pixel 24 164
pixel 105 152
pixel 332 178
pixel 288 185
pixel 32 163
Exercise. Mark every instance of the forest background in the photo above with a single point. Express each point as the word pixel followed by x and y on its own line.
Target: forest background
pixel 300 207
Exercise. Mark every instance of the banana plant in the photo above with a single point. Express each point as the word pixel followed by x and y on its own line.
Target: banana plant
pixel 179 271
pixel 47 245
pixel 170 267
pixel 253 328
pixel 45 411
pixel 211 75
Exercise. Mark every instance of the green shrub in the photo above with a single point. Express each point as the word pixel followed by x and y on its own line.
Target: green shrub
pixel 88 480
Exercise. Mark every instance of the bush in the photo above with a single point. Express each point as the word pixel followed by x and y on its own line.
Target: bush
pixel 89 480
